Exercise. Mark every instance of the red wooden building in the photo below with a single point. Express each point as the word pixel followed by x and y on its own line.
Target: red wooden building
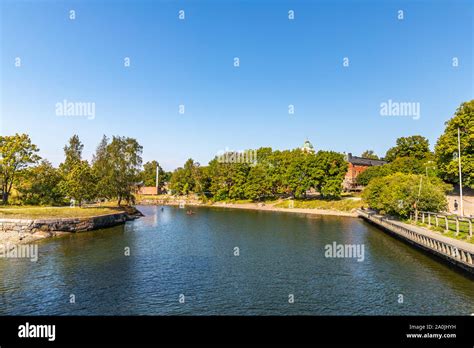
pixel 356 166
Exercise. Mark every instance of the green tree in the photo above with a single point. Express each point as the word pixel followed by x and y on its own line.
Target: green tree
pixel 79 182
pixel 400 194
pixel 40 185
pixel 203 181
pixel 148 175
pixel 122 168
pixel 227 179
pixel 331 170
pixel 446 148
pixel 289 172
pixel 218 188
pixel 177 182
pixel 258 184
pixel 189 175
pixel 301 173
pixel 17 153
pixel 407 165
pixel 277 163
pixel 72 153
pixel 369 154
pixel 371 173
pixel 103 169
pixel 413 146
pixel 101 151
pixel 183 180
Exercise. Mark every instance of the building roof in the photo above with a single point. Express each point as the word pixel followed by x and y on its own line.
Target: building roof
pixel 361 161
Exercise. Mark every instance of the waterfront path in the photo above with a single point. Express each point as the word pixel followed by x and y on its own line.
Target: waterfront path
pixel 455 251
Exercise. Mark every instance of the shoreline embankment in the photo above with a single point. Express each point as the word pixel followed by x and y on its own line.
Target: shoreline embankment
pixel 27 230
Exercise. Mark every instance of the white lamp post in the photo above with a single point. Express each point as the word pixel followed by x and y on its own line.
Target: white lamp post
pixel 157 176
pixel 460 173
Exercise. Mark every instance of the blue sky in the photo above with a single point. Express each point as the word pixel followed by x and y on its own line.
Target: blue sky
pixel 190 62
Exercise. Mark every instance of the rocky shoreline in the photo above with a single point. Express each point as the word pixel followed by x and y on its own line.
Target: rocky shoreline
pixel 23 231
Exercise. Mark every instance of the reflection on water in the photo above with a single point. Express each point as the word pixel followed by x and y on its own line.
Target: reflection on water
pixel 172 253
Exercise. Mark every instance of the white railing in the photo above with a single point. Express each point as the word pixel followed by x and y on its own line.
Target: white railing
pixel 440 246
pixel 443 220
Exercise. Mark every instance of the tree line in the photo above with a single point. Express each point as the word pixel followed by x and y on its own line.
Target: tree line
pixel 272 174
pixel 412 155
pixel 416 178
pixel 411 178
pixel 113 172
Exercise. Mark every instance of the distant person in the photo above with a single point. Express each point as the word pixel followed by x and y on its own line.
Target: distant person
pixel 455 205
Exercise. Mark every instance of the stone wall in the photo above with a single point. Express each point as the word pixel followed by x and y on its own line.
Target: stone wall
pixel 29 229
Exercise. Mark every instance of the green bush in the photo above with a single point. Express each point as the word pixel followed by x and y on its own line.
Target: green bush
pixel 407 165
pixel 371 173
pixel 398 194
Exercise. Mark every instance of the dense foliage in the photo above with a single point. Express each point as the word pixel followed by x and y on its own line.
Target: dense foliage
pixel 395 189
pixel 446 150
pixel 414 146
pixel 40 185
pixel 79 182
pixel 399 194
pixel 114 172
pixel 369 154
pixel 275 173
pixel 148 175
pixel 407 165
pixel 117 168
pixel 17 153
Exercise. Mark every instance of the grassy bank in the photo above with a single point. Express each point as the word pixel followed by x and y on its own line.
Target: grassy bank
pixel 463 230
pixel 33 212
pixel 346 204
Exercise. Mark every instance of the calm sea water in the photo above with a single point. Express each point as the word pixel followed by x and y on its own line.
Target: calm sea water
pixel 172 253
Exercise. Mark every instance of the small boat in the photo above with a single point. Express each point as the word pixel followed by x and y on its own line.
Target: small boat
pixel 190 212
